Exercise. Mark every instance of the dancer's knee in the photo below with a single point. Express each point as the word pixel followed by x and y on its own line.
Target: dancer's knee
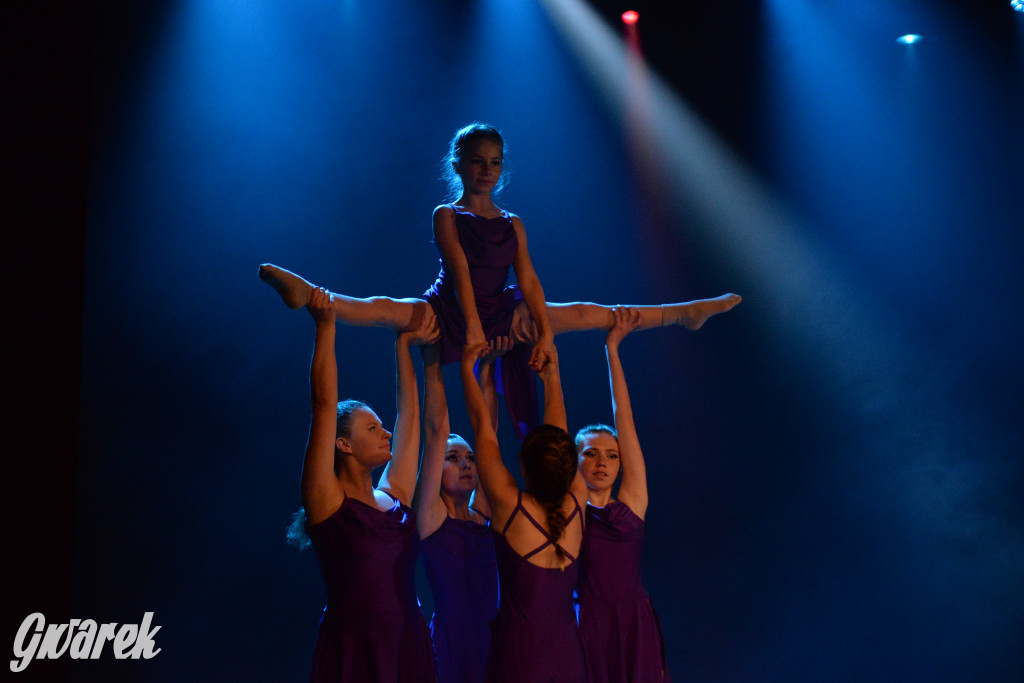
pixel 383 311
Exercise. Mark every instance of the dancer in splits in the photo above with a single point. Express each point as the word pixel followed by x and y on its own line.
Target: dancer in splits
pixel 539 531
pixel 453 519
pixel 470 303
pixel 364 537
pixel 619 629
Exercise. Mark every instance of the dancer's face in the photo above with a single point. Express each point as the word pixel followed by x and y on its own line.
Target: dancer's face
pixel 459 477
pixel 480 167
pixel 599 460
pixel 368 441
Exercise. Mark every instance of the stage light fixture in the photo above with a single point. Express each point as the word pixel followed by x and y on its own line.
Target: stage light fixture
pixel 1017 5
pixel 910 39
pixel 630 17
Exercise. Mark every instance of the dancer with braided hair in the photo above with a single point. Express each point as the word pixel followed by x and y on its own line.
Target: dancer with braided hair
pixel 539 531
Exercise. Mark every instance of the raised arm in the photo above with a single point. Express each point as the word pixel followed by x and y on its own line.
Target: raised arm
pixel 554 401
pixel 496 348
pixel 446 237
pixel 321 493
pixel 430 509
pixel 633 489
pixel 554 411
pixel 533 295
pixel 497 481
pixel 399 477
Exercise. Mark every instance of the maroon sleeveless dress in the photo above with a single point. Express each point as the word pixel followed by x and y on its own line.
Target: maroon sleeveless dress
pixel 535 637
pixel 372 628
pixel 463 575
pixel 619 628
pixel 490 245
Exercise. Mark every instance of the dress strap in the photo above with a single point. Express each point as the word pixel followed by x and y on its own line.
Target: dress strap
pixel 518 507
pixel 534 522
pixel 576 510
pixel 540 527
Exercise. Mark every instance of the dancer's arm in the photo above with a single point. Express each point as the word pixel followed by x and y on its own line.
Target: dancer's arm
pixel 399 477
pixel 321 493
pixel 495 349
pixel 533 295
pixel 497 481
pixel 554 412
pixel 554 401
pixel 447 238
pixel 633 489
pixel 430 509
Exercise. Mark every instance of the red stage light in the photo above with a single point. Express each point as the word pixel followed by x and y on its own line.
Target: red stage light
pixel 630 17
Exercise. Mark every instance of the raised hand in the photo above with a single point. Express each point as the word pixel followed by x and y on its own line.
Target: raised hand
pixel 549 371
pixel 626 320
pixel 427 333
pixel 321 306
pixel 543 352
pixel 496 348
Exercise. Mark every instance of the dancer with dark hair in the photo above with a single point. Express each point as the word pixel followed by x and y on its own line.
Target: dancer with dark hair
pixel 618 626
pixel 470 304
pixel 453 520
pixel 538 535
pixel 364 537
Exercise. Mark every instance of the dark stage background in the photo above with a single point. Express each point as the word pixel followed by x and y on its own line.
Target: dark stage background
pixel 835 466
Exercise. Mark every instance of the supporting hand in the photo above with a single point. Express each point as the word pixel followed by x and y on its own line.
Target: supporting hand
pixel 321 306
pixel 496 348
pixel 543 352
pixel 549 372
pixel 626 320
pixel 427 333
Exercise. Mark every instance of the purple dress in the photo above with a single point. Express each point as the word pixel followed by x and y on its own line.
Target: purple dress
pixel 535 637
pixel 490 245
pixel 372 628
pixel 619 628
pixel 463 575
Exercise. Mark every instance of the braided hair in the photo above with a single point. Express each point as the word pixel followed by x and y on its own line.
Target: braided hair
pixel 548 457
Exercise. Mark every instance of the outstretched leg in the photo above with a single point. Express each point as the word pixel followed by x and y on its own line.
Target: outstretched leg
pixel 579 316
pixel 377 311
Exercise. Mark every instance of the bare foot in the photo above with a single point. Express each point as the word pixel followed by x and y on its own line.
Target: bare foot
pixel 693 314
pixel 293 289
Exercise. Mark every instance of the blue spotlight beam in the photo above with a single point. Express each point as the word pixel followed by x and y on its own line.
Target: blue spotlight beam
pixel 909 459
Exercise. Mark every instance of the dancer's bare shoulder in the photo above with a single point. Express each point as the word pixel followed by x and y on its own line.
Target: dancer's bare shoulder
pixel 443 210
